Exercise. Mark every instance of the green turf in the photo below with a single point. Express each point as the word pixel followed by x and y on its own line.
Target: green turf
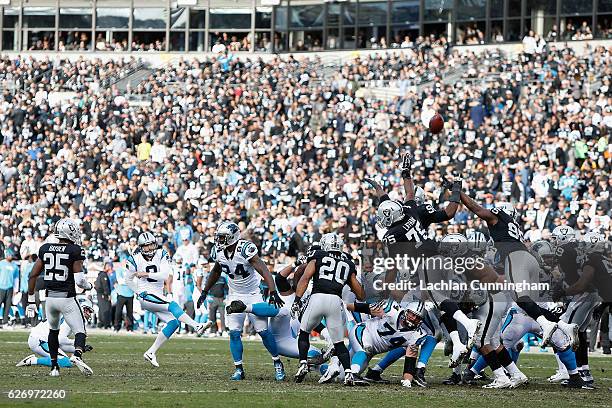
pixel 194 373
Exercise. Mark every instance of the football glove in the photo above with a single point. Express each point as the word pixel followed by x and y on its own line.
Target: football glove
pixel 407 165
pixel 202 298
pixel 407 383
pixel 88 347
pixel 275 300
pixel 296 307
pixel 447 184
pixel 31 309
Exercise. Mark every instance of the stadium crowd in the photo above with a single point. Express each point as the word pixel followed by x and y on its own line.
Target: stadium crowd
pixel 283 148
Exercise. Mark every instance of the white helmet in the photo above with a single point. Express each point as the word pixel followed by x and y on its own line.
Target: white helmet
pixel 477 242
pixel 509 209
pixel 593 242
pixel 563 234
pixel 453 245
pixel 227 234
pixel 86 306
pixel 389 212
pixel 68 229
pixel 544 253
pixel 332 242
pixel 419 195
pixel 414 313
pixel 147 244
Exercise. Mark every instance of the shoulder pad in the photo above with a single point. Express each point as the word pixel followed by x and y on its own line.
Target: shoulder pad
pixel 247 249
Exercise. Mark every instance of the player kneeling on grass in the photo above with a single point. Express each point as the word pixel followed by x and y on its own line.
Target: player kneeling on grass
pixel 151 266
pixel 62 264
pixel 38 341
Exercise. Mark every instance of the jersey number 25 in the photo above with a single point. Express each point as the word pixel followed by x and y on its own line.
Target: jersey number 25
pixel 54 269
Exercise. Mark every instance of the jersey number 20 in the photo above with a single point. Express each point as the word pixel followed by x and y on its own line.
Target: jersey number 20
pixel 333 269
pixel 54 269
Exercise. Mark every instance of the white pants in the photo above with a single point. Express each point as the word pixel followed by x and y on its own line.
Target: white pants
pixel 491 315
pixel 517 324
pixel 41 347
pixel 522 267
pixel 235 321
pixel 70 309
pixel 580 309
pixel 158 305
pixel 325 306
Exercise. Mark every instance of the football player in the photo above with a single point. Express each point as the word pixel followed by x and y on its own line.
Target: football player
pixel 330 269
pixel 38 341
pixel 520 265
pixel 62 265
pixel 148 269
pixel 238 259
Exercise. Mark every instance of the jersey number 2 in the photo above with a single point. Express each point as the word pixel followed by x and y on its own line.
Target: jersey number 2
pixel 54 269
pixel 333 269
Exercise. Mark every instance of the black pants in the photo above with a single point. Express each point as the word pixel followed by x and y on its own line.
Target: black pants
pixel 104 312
pixel 128 302
pixel 6 300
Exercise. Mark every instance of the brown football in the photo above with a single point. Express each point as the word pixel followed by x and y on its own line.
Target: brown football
pixel 436 123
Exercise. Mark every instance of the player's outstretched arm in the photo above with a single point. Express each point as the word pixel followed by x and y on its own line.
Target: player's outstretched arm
pixel 302 285
pixel 263 270
pixel 407 176
pixel 356 287
pixel 580 286
pixel 480 211
pixel 213 277
pixel 455 197
pixel 376 186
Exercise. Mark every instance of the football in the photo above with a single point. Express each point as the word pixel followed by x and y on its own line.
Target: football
pixel 436 124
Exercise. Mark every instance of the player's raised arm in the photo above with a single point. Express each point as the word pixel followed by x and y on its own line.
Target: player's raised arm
pixel 302 284
pixel 263 270
pixel 213 277
pixel 407 176
pixel 455 197
pixel 480 211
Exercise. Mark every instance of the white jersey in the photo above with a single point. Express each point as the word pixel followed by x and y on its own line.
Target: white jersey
pixel 40 332
pixel 381 334
pixel 160 267
pixel 178 286
pixel 242 278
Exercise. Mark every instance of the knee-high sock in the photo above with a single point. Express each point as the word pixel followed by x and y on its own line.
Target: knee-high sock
pixel 63 362
pixel 390 358
pixel 533 310
pixel 582 354
pixel 493 362
pixel 427 349
pixel 53 342
pixel 164 335
pixel 343 355
pixel 448 322
pixel 479 365
pixel 79 343
pixel 236 346
pixel 180 315
pixel 359 361
pixel 505 360
pixel 514 354
pixel 568 358
pixel 262 309
pixel 268 341
pixel 303 345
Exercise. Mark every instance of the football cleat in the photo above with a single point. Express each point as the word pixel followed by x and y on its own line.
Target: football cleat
pixel 54 372
pixel 482 376
pixel 499 382
pixel 203 327
pixel 571 330
pixel 151 358
pixel 330 375
pixel 353 380
pixel 28 361
pixel 301 372
pixel 548 328
pixel 419 377
pixel 237 306
pixel 85 369
pixel 238 375
pixel 559 376
pixel 469 378
pixel 575 381
pixel 316 360
pixel 454 379
pixel 279 370
pixel 458 355
pixel 374 376
pixel 518 379
pixel 328 352
pixel 587 377
pixel 473 332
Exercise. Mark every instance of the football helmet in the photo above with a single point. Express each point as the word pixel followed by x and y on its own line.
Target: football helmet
pixel 86 307
pixel 419 195
pixel 545 254
pixel 413 315
pixel 147 244
pixel 563 234
pixel 389 212
pixel 593 242
pixel 68 229
pixel 477 242
pixel 453 245
pixel 227 234
pixel 332 242
pixel 509 209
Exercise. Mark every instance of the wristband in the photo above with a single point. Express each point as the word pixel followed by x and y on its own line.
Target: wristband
pixel 31 298
pixel 297 299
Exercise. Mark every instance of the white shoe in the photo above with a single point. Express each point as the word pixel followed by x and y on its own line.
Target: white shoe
pixel 85 369
pixel 202 328
pixel 571 330
pixel 518 379
pixel 558 377
pixel 150 357
pixel 301 372
pixel 500 382
pixel 458 355
pixel 54 372
pixel 28 361
pixel 473 332
pixel 330 375
pixel 548 329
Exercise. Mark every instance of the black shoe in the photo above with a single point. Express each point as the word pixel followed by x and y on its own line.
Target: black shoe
pixel 575 381
pixel 482 376
pixel 607 350
pixel 373 376
pixel 469 378
pixel 237 306
pixel 454 379
pixel 419 377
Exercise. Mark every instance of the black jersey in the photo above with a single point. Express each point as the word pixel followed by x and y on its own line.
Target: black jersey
pixel 332 271
pixel 58 261
pixel 569 262
pixel 602 278
pixel 506 234
pixel 409 228
pixel 429 215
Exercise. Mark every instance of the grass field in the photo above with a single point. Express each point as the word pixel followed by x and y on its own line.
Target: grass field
pixel 195 373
